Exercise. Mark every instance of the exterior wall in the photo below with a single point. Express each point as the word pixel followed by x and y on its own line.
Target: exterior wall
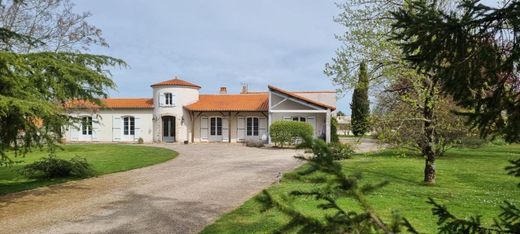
pixel 233 120
pixel 292 108
pixel 103 124
pixel 183 96
pixel 328 98
pixel 320 128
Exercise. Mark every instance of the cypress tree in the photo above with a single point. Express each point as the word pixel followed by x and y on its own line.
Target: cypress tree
pixel 360 104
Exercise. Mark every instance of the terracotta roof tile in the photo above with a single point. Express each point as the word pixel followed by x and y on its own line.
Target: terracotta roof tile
pixel 114 103
pixel 177 82
pixel 231 102
pixel 294 95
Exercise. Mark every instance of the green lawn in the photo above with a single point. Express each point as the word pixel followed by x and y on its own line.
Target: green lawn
pixel 469 181
pixel 105 158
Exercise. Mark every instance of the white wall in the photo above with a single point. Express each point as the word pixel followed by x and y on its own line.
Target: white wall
pixel 103 125
pixel 183 96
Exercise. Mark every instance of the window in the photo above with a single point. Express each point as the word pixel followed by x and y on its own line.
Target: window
pixel 86 125
pixel 215 126
pixel 301 119
pixel 252 126
pixel 168 99
pixel 129 125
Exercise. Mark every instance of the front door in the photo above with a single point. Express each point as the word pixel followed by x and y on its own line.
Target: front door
pixel 168 128
pixel 215 129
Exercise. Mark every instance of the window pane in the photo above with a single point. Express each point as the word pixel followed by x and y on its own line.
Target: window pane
pixel 219 126
pixel 295 118
pixel 132 125
pixel 302 119
pixel 212 126
pixel 255 127
pixel 249 126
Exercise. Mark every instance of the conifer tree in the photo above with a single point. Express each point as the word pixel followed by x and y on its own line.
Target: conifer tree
pixel 360 104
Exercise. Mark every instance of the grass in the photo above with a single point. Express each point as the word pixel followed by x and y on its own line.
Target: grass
pixel 105 158
pixel 469 182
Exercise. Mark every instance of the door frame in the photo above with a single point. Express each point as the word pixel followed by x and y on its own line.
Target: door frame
pixel 216 138
pixel 169 138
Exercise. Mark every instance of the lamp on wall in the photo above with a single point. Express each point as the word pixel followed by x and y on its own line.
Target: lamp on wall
pixel 182 120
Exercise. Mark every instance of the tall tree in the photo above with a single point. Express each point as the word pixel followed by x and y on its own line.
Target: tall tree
pixel 360 105
pixel 473 53
pixel 367 37
pixel 35 86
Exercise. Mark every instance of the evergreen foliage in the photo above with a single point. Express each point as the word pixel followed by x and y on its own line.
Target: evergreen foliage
pixel 474 53
pixel 360 104
pixel 330 184
pixel 35 87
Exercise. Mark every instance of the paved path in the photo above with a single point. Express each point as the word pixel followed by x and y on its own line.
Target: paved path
pixel 179 196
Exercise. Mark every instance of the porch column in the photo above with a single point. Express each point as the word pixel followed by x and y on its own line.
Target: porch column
pixel 192 120
pixel 327 126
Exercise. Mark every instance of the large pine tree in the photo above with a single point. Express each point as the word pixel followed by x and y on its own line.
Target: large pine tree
pixel 360 104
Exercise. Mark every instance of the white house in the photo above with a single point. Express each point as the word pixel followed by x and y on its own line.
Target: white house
pixel 177 112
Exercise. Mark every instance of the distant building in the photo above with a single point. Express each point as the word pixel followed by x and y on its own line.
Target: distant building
pixel 344 125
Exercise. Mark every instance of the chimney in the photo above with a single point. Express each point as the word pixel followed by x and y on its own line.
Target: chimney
pixel 223 90
pixel 244 88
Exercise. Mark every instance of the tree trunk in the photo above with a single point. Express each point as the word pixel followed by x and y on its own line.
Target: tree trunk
pixel 428 149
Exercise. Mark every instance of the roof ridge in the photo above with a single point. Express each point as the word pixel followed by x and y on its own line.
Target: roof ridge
pixel 301 97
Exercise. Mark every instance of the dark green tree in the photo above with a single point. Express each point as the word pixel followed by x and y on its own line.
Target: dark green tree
pixel 35 86
pixel 360 105
pixel 473 53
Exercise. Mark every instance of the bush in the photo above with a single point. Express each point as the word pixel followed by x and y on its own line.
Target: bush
pixel 334 130
pixel 341 151
pixel 472 142
pixel 289 132
pixel 53 167
pixel 140 140
pixel 254 143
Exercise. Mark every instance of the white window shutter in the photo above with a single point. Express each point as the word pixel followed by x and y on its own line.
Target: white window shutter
pixel 116 128
pixel 96 127
pixel 162 100
pixel 241 129
pixel 137 128
pixel 225 130
pixel 74 132
pixel 262 127
pixel 204 128
pixel 173 99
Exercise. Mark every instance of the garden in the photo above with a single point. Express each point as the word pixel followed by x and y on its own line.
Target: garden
pixel 101 159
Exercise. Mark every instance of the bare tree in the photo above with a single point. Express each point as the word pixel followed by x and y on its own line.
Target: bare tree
pixel 52 24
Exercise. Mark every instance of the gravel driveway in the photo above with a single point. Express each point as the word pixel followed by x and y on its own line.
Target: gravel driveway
pixel 179 196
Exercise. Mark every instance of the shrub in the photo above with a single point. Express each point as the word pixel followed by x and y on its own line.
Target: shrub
pixel 140 140
pixel 289 132
pixel 254 143
pixel 53 167
pixel 341 151
pixel 472 142
pixel 334 130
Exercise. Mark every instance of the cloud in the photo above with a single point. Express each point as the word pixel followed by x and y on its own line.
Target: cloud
pixel 218 43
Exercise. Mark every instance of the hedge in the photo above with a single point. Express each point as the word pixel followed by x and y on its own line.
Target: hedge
pixel 289 132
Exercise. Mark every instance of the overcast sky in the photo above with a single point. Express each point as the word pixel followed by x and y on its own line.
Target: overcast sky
pixel 217 43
